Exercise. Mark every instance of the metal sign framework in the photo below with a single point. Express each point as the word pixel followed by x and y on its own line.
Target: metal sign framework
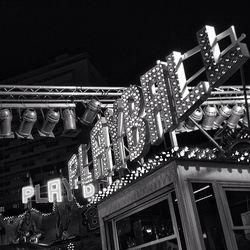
pixel 23 96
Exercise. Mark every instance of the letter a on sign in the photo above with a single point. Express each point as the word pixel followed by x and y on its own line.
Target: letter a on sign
pixel 55 190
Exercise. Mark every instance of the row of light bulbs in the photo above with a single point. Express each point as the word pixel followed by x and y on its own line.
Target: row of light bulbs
pixel 132 176
pixel 195 153
pixel 52 117
pixel 13 218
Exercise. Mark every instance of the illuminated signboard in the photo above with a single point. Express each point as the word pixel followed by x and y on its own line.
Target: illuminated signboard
pixel 86 176
pixel 88 189
pixel 78 172
pixel 144 113
pixel 135 124
pixel 54 190
pixel 163 101
pixel 27 193
pixel 101 151
pixel 73 171
pixel 116 129
pixel 159 105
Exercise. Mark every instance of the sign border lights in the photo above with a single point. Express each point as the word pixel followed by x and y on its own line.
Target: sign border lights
pixel 101 151
pixel 219 68
pixel 135 125
pixel 78 167
pixel 86 175
pixel 115 123
pixel 73 172
pixel 157 106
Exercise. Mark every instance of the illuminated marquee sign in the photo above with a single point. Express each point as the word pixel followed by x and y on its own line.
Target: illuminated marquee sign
pixel 88 189
pixel 115 124
pixel 101 151
pixel 73 171
pixel 135 124
pixel 78 171
pixel 144 115
pixel 54 190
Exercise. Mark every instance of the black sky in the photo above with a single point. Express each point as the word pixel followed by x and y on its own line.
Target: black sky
pixel 124 39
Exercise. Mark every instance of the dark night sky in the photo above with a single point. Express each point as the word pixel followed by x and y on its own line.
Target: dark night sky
pixel 124 40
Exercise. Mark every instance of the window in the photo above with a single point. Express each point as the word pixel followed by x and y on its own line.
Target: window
pixel 154 227
pixel 239 207
pixel 211 227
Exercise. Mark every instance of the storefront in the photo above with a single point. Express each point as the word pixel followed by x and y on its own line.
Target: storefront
pixel 182 205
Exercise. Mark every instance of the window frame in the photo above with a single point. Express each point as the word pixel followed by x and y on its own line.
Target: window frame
pixel 232 187
pixel 216 186
pixel 151 200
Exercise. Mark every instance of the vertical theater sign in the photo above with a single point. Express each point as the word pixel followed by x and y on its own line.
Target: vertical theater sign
pixel 144 113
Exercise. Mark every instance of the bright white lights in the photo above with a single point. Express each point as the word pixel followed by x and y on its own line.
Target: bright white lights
pixel 135 125
pixel 86 175
pixel 27 193
pixel 88 190
pixel 70 246
pixel 154 88
pixel 219 68
pixel 101 151
pixel 115 123
pixel 54 190
pixel 73 172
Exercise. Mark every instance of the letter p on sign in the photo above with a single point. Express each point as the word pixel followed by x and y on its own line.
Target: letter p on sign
pixel 27 192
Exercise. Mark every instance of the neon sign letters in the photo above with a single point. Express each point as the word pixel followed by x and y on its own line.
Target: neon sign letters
pixel 54 192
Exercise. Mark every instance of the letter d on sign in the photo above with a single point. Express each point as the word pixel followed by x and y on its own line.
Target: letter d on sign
pixel 27 192
pixel 88 190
